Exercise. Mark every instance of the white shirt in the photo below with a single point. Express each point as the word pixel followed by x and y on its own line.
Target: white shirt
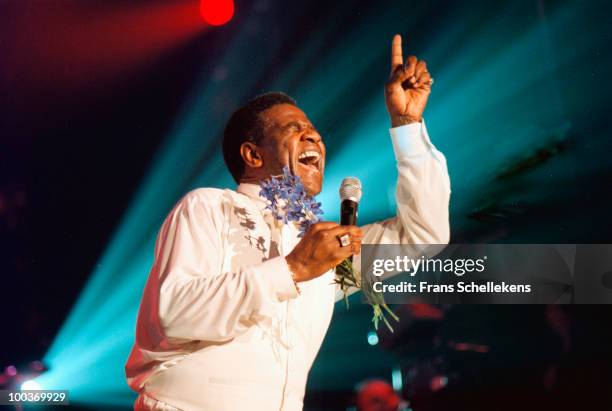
pixel 221 324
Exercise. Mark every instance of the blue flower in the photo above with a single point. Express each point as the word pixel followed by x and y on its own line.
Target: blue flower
pixel 289 202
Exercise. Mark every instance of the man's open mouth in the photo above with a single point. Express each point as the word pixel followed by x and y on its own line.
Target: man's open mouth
pixel 310 159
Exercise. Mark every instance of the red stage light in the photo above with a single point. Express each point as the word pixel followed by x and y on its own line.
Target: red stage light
pixel 217 12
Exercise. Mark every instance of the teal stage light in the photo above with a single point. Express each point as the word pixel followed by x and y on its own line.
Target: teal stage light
pixel 509 79
pixel 31 385
pixel 372 338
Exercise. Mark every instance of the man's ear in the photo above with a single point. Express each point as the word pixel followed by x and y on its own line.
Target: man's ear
pixel 251 155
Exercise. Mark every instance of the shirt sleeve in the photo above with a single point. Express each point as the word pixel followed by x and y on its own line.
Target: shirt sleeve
pixel 422 194
pixel 197 300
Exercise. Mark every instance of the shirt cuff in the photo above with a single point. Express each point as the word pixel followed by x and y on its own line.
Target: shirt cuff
pixel 276 275
pixel 410 140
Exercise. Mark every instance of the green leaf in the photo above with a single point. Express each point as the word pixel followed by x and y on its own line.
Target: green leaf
pixel 346 278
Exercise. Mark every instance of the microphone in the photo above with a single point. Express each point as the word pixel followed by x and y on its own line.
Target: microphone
pixel 350 194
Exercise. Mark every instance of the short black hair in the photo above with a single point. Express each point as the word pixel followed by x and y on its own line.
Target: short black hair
pixel 245 125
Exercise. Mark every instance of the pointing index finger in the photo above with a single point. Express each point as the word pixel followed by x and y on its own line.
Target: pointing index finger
pixel 396 52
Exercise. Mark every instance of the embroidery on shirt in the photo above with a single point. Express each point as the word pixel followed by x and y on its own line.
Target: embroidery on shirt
pixel 249 226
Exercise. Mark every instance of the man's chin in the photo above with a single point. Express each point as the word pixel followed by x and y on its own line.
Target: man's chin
pixel 313 190
pixel 312 181
pixel 311 187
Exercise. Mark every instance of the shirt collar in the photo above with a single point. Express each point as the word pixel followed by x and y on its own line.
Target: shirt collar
pixel 252 191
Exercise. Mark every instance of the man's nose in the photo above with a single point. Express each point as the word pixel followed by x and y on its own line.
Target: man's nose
pixel 311 137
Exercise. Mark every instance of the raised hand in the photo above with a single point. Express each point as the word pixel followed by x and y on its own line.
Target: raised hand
pixel 408 87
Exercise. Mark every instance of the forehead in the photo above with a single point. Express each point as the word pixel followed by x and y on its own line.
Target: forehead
pixel 281 114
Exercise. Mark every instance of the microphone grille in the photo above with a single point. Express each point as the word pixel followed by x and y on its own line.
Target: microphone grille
pixel 350 189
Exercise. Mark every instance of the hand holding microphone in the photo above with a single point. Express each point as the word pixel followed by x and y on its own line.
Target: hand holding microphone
pixel 320 250
pixel 327 244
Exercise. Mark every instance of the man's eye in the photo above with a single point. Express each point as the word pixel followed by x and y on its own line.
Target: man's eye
pixel 293 128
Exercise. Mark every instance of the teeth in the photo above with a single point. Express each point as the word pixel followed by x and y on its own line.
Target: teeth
pixel 307 154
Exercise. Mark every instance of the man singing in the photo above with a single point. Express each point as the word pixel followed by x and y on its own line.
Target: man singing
pixel 236 305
